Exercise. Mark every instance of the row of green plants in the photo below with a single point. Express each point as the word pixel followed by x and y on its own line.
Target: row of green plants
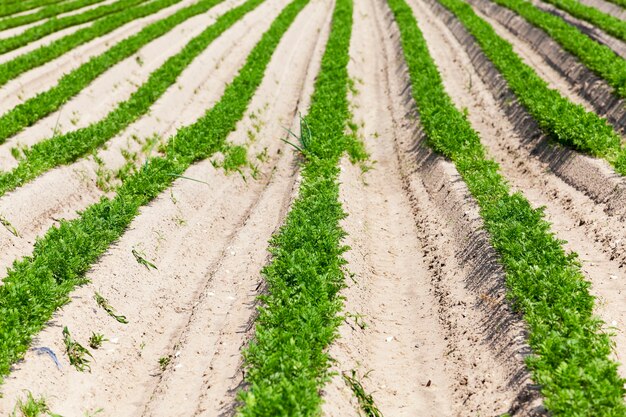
pixel 565 122
pixel 68 147
pixel 22 6
pixel 44 103
pixel 39 284
pixel 610 24
pixel 286 363
pixel 45 12
pixel 46 53
pixel 597 57
pixel 619 2
pixel 53 25
pixel 571 348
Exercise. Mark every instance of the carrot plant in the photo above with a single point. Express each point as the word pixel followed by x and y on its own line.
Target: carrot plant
pixel 39 284
pixel 44 12
pixel 565 122
pixel 54 25
pixel 610 24
pixel 597 57
pixel 46 53
pixel 286 362
pixel 571 349
pixel 22 6
pixel 67 148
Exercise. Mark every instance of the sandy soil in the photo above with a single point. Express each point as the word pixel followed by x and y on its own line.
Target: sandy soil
pixel 595 235
pixel 439 337
pixel 19 29
pixel 576 79
pixel 410 245
pixel 113 86
pixel 42 78
pixel 200 234
pixel 617 45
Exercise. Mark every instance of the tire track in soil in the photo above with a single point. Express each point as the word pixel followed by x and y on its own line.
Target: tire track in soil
pixel 59 193
pixel 597 237
pixel 449 272
pixel 227 225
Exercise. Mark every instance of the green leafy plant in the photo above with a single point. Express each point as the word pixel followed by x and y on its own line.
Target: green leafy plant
pixel 571 350
pixel 96 340
pixel 76 352
pixel 140 257
pixel 102 302
pixel 67 148
pixel 164 362
pixel 286 362
pixel 366 401
pixel 39 284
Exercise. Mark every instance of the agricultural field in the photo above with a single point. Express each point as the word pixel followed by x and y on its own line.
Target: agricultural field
pixel 312 208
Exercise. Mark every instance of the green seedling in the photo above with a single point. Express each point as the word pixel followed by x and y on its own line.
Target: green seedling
pixel 102 302
pixel 76 352
pixel 164 361
pixel 140 257
pixel 304 140
pixel 31 407
pixel 366 401
pixel 7 225
pixel 358 319
pixel 96 340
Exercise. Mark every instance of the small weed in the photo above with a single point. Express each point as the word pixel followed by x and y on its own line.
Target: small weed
pixel 96 340
pixel 104 303
pixel 366 402
pixel 358 319
pixel 304 139
pixel 164 361
pixel 30 407
pixel 139 60
pixel 7 225
pixel 140 257
pixel 76 352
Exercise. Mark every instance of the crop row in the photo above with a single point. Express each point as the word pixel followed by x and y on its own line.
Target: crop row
pixel 46 53
pixel 565 122
pixel 571 350
pixel 597 57
pixel 67 148
pixel 39 284
pixel 610 24
pixel 54 25
pixel 286 362
pixel 22 6
pixel 72 83
pixel 619 2
pixel 45 12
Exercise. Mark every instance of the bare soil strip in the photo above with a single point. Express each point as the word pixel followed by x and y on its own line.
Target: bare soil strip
pixel 596 236
pixel 115 85
pixel 204 240
pixel 592 176
pixel 41 78
pixel 418 253
pixel 581 79
pixel 61 192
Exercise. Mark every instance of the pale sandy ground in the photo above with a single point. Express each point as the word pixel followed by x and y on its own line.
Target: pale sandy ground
pixel 439 339
pixel 113 86
pixel 206 245
pixel 42 78
pixel 19 29
pixel 596 236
